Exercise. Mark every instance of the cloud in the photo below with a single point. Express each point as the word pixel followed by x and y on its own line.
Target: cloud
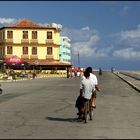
pixel 129 38
pixel 7 20
pixel 43 24
pixel 133 34
pixel 128 44
pixel 86 28
pixel 128 53
pixel 86 48
pixel 84 41
pixel 138 26
pixel 52 24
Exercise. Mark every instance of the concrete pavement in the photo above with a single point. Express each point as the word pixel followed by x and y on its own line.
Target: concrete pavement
pixel 45 109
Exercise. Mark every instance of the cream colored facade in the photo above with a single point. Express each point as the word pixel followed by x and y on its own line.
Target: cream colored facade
pixel 41 52
pixel 17 43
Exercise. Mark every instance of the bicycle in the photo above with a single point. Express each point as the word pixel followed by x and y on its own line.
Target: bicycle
pixel 88 113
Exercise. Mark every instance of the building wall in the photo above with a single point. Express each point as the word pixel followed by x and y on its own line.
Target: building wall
pixel 65 49
pixel 41 45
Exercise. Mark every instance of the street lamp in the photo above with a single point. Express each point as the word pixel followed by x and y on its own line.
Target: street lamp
pixel 78 59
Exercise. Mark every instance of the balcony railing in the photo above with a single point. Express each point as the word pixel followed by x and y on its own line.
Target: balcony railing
pixel 8 55
pixel 25 41
pixel 25 56
pixel 9 40
pixel 33 56
pixel 34 41
pixel 49 41
pixel 49 56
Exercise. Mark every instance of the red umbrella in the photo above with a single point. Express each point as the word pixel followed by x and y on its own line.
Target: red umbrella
pixel 14 60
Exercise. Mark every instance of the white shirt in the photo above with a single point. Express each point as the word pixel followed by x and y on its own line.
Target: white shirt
pixel 92 77
pixel 87 85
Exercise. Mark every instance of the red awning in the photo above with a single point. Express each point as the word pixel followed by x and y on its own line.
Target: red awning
pixel 14 60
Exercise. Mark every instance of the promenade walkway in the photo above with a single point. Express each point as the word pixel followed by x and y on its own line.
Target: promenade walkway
pixel 44 108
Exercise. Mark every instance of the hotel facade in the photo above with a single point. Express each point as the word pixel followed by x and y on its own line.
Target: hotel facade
pixel 65 49
pixel 38 45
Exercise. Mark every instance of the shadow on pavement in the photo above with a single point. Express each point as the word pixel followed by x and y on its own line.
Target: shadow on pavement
pixel 62 119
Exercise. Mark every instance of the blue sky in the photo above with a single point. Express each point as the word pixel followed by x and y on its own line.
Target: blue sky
pixel 105 33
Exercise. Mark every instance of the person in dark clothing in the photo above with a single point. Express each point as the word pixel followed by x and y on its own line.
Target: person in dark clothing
pixel 100 71
pixel 34 75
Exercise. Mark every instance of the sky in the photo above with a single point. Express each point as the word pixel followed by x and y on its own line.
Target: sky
pixel 105 33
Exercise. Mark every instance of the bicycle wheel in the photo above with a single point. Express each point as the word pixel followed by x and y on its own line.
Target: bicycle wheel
pixel 91 110
pixel 86 112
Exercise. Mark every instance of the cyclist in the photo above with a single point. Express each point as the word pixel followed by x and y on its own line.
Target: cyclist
pixel 95 80
pixel 87 87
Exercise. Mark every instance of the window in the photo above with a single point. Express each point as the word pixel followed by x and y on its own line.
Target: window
pixel 9 50
pixel 34 34
pixel 49 50
pixel 25 34
pixel 34 50
pixel 3 35
pixel 9 34
pixel 25 50
pixel 0 51
pixel 49 35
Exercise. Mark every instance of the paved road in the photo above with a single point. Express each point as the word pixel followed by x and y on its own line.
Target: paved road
pixel 44 108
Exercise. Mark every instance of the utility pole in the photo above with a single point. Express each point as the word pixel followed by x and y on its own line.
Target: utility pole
pixel 78 58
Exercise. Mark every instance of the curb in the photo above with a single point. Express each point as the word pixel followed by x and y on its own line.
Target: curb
pixel 12 80
pixel 128 82
pixel 29 79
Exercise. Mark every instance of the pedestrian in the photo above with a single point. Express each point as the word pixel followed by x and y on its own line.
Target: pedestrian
pixel 95 80
pixel 34 75
pixel 112 69
pixel 100 71
pixel 12 72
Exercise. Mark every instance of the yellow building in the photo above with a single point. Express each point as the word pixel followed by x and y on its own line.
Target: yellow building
pixel 36 44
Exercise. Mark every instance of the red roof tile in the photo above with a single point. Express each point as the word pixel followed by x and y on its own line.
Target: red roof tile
pixel 25 23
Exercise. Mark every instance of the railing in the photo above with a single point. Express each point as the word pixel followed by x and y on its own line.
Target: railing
pixel 24 40
pixel 9 40
pixel 25 56
pixel 34 41
pixel 49 56
pixel 33 56
pixel 8 55
pixel 49 40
